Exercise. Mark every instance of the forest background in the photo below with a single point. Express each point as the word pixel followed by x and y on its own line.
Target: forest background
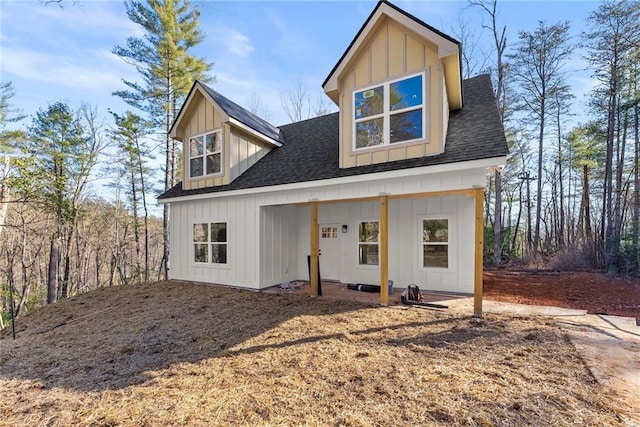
pixel 78 178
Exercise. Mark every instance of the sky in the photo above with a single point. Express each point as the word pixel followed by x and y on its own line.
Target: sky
pixel 259 49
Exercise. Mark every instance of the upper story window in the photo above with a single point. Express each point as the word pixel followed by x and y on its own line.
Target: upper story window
pixel 389 113
pixel 205 154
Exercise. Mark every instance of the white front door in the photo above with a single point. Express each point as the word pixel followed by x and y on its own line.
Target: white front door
pixel 330 251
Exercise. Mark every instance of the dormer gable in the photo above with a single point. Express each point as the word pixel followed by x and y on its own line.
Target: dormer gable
pixel 395 86
pixel 220 139
pixel 447 47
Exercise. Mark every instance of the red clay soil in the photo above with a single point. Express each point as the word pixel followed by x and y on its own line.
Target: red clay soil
pixel 596 292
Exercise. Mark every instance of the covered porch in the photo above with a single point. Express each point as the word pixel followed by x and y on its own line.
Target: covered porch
pixel 398 251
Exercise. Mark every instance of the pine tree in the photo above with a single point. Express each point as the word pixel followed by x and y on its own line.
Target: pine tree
pixel 167 69
pixel 66 155
pixel 128 135
pixel 612 37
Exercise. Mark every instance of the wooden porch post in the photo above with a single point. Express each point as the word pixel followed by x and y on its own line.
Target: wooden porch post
pixel 384 250
pixel 315 249
pixel 477 285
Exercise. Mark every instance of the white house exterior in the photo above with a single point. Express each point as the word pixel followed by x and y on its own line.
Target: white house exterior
pixel 388 188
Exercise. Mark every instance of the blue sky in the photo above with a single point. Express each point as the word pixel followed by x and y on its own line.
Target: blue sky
pixel 259 48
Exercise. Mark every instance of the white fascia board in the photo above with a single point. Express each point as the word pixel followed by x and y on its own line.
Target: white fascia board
pixel 401 173
pixel 198 87
pixel 254 132
pixel 445 47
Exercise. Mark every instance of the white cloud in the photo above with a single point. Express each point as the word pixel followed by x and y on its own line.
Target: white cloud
pixel 95 71
pixel 234 41
pixel 102 16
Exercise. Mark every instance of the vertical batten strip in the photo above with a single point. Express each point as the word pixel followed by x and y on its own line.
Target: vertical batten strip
pixel 384 250
pixel 477 282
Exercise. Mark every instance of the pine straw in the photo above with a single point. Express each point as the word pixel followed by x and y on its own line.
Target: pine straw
pixel 177 354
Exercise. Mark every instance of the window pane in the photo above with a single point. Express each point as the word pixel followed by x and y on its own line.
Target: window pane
pixel 196 167
pixel 435 230
pixel 368 254
pixel 219 253
pixel 219 232
pixel 200 233
pixel 436 256
pixel 201 254
pixel 213 142
pixel 370 133
pixel 368 102
pixel 405 93
pixel 406 126
pixel 195 146
pixel 213 163
pixel 368 232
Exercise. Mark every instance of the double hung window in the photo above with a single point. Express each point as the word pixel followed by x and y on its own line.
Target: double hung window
pixel 368 242
pixel 205 154
pixel 389 113
pixel 210 242
pixel 435 243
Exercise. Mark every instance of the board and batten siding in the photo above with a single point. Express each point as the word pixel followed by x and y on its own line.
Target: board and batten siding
pixel 241 216
pixel 268 231
pixel 405 241
pixel 204 117
pixel 394 51
pixel 239 150
pixel 244 152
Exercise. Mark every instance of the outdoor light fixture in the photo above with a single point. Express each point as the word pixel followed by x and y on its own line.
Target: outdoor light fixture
pixel 344 228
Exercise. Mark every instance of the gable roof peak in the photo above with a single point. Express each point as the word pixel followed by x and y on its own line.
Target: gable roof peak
pixel 243 115
pixel 231 112
pixel 447 45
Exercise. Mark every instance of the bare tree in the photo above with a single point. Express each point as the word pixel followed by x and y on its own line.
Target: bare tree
pixel 490 9
pixel 295 102
pixel 538 63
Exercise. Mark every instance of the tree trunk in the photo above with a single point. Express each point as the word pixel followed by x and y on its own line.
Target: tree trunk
pixel 5 194
pixel 497 225
pixel 66 277
pixel 636 186
pixel 586 203
pixel 536 237
pixel 52 279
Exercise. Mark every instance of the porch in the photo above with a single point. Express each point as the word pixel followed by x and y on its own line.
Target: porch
pixel 340 291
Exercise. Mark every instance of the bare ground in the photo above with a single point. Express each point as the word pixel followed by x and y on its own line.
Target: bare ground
pixel 185 354
pixel 596 292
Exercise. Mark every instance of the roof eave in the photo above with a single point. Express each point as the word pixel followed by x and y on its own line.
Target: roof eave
pixel 447 46
pixel 197 87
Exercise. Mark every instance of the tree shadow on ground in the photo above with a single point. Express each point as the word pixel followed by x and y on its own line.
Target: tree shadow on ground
pixel 117 337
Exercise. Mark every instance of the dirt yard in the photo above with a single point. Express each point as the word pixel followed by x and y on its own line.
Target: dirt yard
pixel 596 292
pixel 184 354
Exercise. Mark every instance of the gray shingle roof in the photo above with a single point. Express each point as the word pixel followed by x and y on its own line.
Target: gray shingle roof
pixel 311 147
pixel 246 117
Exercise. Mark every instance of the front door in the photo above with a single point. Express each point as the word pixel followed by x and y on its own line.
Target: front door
pixel 330 252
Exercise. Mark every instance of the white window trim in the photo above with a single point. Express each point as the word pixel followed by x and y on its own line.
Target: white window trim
pixel 387 113
pixel 204 155
pixel 367 266
pixel 209 243
pixel 452 240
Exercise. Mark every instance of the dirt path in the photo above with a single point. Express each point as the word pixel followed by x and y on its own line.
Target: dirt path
pixel 609 345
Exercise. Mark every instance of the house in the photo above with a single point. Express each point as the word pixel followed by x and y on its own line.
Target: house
pixel 388 188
